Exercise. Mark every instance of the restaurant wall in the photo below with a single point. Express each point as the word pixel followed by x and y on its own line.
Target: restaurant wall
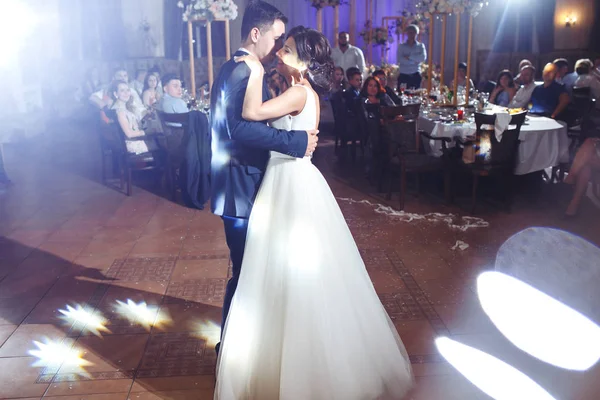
pixel 578 35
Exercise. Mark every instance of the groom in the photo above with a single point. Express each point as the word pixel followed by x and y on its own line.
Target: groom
pixel 240 148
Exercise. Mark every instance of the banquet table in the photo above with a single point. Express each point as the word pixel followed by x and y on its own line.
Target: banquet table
pixel 544 141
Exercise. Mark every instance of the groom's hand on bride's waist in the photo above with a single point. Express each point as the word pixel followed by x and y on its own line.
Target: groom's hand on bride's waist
pixel 313 138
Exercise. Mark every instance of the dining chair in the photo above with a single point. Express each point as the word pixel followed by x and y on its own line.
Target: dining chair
pixel 176 130
pixel 156 160
pixel 402 154
pixel 493 158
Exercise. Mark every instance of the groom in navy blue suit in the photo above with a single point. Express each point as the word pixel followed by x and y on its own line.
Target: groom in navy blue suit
pixel 240 148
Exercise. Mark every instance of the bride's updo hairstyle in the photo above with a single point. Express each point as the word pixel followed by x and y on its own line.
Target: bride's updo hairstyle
pixel 314 50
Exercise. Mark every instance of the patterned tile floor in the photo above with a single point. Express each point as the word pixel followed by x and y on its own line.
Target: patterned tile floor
pixel 148 275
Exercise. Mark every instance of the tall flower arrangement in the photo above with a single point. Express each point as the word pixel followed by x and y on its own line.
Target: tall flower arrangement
pixel 426 8
pixel 378 36
pixel 318 4
pixel 409 18
pixel 208 9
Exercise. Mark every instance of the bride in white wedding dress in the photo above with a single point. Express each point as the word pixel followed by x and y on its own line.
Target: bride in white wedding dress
pixel 305 322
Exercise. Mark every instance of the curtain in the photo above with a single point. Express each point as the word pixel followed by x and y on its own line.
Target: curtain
pixel 595 33
pixel 525 25
pixel 112 31
pixel 173 29
pixel 544 25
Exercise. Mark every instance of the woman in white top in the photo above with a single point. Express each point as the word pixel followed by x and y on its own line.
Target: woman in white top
pixel 127 119
pixel 305 321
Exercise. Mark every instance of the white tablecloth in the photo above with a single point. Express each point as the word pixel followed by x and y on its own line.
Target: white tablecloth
pixel 544 141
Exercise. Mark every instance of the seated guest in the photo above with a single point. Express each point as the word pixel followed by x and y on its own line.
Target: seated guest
pixel 156 71
pixel 171 101
pixel 127 119
pixel 586 161
pixel 382 78
pixel 277 84
pixel 505 89
pixel 562 69
pixel 103 98
pixel 585 79
pixel 462 78
pixel 150 93
pixel 352 94
pixel 522 63
pixel 373 93
pixel 523 95
pixel 140 79
pixel 551 98
pixel 339 80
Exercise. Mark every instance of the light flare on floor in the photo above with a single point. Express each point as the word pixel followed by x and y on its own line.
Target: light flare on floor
pixel 55 355
pixel 494 377
pixel 207 330
pixel 80 318
pixel 143 314
pixel 539 324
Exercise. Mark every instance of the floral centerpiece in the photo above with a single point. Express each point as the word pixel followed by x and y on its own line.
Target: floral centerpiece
pixel 426 8
pixel 208 9
pixel 409 18
pixel 318 4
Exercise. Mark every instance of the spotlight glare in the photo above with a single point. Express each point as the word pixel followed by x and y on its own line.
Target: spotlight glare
pixel 142 314
pixel 59 355
pixel 209 331
pixel 493 376
pixel 81 318
pixel 538 324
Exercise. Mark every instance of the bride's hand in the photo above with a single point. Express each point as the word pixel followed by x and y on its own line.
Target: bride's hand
pixel 252 61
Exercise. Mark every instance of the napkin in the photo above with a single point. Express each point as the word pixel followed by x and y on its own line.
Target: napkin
pixel 502 122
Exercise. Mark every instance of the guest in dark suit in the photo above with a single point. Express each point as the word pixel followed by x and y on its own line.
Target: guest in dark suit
pixel 240 148
pixel 352 93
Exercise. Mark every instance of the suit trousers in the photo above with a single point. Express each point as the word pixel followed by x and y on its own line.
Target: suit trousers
pixel 235 234
pixel 413 81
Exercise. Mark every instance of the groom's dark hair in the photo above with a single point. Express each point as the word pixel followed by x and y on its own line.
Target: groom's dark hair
pixel 261 15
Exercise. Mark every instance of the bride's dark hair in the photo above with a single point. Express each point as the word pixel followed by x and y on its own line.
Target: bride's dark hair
pixel 314 50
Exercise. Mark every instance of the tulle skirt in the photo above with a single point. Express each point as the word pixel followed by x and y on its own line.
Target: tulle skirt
pixel 305 322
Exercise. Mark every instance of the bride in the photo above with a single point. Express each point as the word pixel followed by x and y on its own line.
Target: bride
pixel 305 322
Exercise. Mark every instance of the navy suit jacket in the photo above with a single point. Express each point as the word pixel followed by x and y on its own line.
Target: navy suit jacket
pixel 240 148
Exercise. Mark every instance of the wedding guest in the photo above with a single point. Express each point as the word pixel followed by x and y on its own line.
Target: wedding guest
pixel 462 78
pixel 348 56
pixel 410 55
pixel 277 84
pixel 171 102
pixel 551 98
pixel 562 69
pixel 373 93
pixel 522 63
pixel 586 79
pixel 382 78
pixel 352 93
pixel 523 95
pixel 505 89
pixel 339 80
pixel 150 93
pixel 140 79
pixel 103 98
pixel 127 119
pixel 587 160
pixel 156 71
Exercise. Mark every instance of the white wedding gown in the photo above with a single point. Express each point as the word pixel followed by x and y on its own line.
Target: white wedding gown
pixel 305 322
